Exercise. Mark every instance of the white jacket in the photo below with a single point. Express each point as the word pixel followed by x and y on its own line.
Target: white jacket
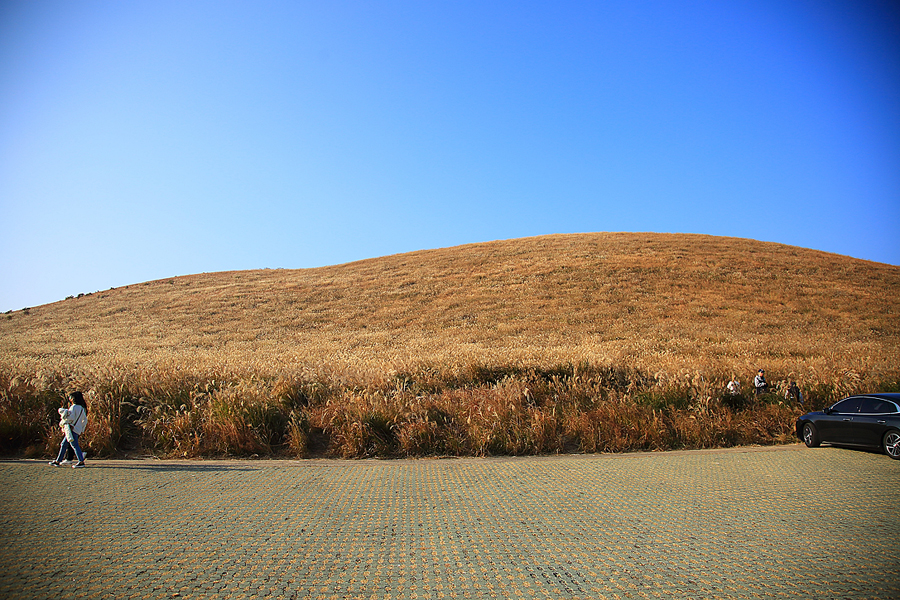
pixel 75 416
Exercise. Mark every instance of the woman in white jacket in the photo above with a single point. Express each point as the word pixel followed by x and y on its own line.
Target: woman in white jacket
pixel 72 421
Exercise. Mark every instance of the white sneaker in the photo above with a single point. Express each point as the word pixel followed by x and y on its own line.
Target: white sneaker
pixel 79 465
pixel 53 463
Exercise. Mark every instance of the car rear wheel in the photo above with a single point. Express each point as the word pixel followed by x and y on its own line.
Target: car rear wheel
pixel 891 444
pixel 810 435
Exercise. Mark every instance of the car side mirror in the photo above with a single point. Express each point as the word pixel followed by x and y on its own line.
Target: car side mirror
pixel 827 410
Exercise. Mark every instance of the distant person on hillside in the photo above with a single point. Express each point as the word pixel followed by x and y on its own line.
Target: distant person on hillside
pixel 72 421
pixel 760 383
pixel 734 386
pixel 793 393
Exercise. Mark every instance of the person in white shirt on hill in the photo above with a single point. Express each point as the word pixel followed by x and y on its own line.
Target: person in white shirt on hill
pixel 760 383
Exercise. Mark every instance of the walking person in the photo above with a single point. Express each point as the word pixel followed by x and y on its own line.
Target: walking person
pixel 759 382
pixel 72 421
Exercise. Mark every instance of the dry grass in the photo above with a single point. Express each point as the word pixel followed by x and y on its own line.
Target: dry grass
pixel 594 342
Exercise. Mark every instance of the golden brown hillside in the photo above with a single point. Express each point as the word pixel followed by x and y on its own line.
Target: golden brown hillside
pixel 659 302
pixel 585 343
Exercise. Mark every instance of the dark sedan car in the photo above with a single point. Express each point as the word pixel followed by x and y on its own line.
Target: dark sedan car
pixel 869 420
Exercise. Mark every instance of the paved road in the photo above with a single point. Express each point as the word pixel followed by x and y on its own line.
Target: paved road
pixel 784 522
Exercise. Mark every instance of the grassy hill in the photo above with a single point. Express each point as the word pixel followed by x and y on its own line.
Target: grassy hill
pixel 650 321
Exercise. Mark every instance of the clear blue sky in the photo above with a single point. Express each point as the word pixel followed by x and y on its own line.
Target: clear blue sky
pixel 142 140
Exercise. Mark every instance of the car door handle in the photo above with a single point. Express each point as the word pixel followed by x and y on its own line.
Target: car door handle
pixel 882 422
pixel 848 419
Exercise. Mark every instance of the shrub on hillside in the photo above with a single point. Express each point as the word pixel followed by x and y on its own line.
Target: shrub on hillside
pixel 469 411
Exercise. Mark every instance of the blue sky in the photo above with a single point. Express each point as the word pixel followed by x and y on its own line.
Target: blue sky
pixel 143 140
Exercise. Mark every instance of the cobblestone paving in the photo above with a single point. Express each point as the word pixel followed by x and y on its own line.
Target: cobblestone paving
pixel 785 522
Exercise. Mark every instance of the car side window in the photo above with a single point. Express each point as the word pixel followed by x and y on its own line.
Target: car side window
pixel 873 406
pixel 850 405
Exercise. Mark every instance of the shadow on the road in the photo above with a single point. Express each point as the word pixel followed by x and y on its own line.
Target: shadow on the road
pixel 172 467
pixel 143 465
pixel 862 449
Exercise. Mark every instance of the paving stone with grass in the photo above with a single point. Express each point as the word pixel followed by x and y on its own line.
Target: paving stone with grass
pixel 785 522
